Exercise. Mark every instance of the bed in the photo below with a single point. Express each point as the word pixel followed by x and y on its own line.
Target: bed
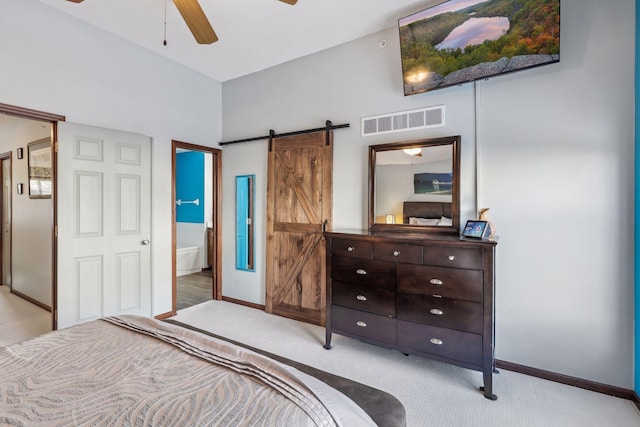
pixel 131 370
pixel 426 213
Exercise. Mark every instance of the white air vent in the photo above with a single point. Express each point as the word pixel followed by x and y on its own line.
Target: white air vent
pixel 405 120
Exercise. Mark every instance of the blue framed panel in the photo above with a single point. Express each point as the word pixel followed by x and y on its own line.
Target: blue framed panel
pixel 245 242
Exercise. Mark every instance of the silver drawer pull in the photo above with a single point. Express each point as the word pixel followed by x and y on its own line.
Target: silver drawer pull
pixel 437 282
pixel 436 296
pixel 452 257
pixel 361 271
pixel 361 324
pixel 436 311
pixel 361 298
pixel 350 249
pixel 436 341
pixel 396 253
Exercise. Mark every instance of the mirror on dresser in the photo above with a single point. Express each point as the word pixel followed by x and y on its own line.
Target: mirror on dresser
pixel 415 186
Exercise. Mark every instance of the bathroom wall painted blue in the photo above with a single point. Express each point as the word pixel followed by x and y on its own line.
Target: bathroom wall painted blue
pixel 190 186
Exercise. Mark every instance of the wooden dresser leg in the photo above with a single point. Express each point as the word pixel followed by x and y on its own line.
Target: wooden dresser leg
pixel 488 385
pixel 327 340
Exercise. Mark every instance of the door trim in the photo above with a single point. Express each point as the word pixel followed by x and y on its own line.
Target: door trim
pixel 26 113
pixel 216 199
pixel 52 119
pixel 6 156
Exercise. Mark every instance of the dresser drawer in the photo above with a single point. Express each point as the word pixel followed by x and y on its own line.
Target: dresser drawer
pixel 362 324
pixel 446 282
pixel 451 256
pixel 363 272
pixel 461 346
pixel 398 252
pixel 367 298
pixel 352 248
pixel 445 312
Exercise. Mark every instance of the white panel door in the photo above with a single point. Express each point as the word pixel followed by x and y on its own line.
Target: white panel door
pixel 104 223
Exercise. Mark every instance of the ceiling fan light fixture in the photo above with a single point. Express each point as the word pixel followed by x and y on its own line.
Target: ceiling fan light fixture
pixel 413 151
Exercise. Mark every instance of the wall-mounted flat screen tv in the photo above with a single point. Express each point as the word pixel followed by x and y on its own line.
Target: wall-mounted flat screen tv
pixel 465 40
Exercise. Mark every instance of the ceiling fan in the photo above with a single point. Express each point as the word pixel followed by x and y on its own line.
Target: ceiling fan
pixel 196 20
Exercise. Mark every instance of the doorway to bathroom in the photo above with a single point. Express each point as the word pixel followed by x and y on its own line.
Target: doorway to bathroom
pixel 196 175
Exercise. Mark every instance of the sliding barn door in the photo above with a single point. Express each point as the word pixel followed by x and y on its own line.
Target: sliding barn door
pixel 299 197
pixel 104 223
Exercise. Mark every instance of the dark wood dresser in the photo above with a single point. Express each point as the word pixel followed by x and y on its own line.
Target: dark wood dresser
pixel 427 295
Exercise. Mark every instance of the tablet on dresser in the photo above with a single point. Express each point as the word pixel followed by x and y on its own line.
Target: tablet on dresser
pixel 476 229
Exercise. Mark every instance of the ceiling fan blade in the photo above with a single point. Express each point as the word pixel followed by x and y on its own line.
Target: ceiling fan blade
pixel 76 1
pixel 291 2
pixel 196 20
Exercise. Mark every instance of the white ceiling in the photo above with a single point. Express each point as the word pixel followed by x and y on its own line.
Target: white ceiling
pixel 253 34
pixel 436 153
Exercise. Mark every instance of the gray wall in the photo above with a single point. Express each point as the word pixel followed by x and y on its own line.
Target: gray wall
pixel 58 64
pixel 554 151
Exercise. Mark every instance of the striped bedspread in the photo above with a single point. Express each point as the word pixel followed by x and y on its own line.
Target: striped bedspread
pixel 134 371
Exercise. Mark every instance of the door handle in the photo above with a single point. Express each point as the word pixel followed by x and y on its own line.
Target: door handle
pixel 145 242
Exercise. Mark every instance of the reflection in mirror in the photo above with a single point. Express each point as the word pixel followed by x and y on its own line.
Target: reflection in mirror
pixel 244 223
pixel 414 185
pixel 39 166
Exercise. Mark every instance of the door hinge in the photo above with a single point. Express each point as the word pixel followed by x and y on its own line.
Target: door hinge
pixel 55 314
pixel 55 146
pixel 55 231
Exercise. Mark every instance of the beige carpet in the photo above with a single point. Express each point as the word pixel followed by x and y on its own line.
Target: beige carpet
pixel 433 393
pixel 20 319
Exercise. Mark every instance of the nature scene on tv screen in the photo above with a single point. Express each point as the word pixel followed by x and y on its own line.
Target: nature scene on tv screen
pixel 465 40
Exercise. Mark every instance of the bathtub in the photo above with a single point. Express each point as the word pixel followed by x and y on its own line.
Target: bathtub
pixel 188 260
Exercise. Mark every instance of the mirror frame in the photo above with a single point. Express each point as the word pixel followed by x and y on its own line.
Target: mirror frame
pixel 245 233
pixel 454 141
